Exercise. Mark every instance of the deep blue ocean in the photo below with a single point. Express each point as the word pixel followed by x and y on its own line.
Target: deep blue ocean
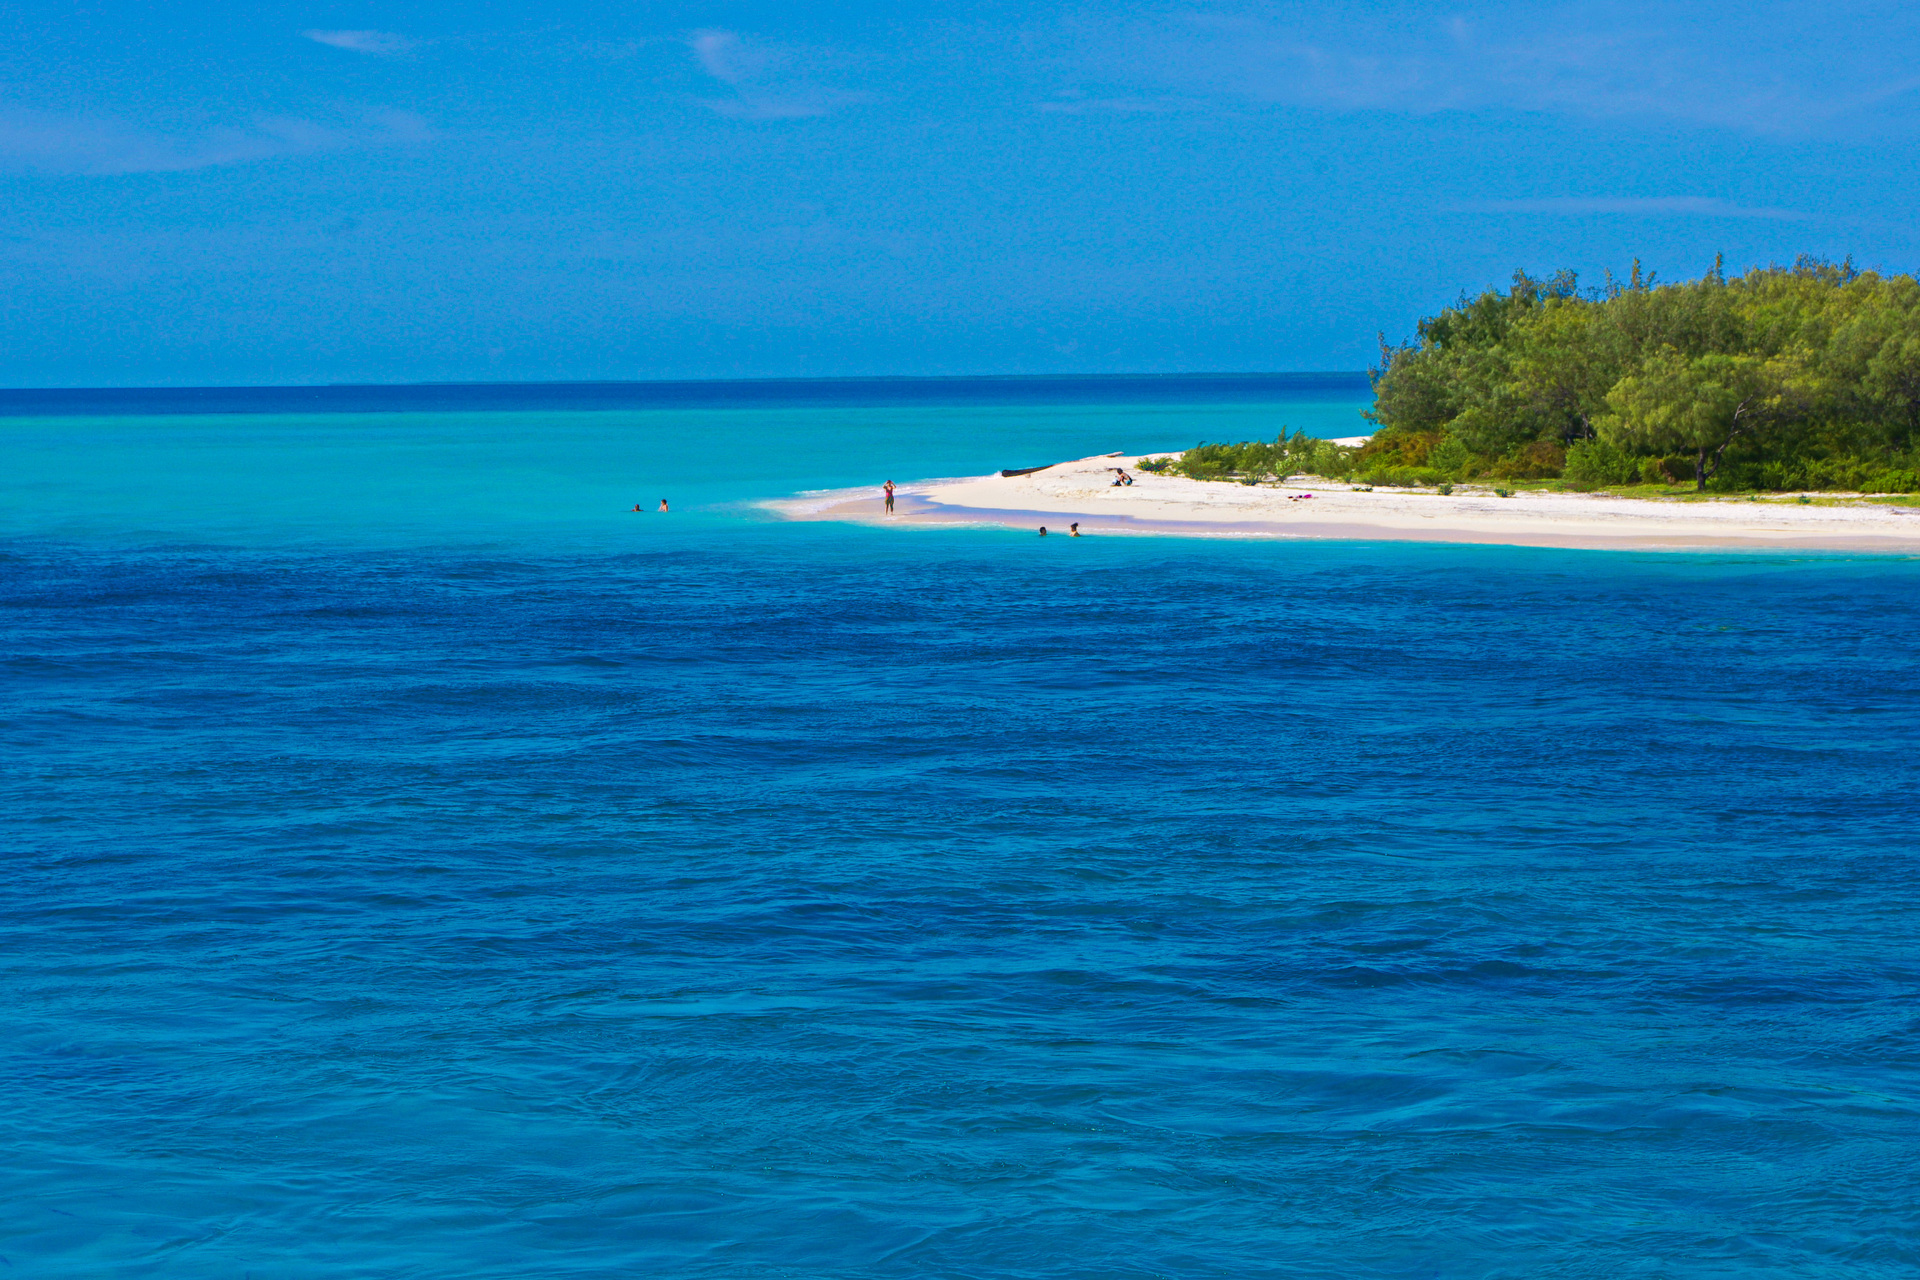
pixel 420 865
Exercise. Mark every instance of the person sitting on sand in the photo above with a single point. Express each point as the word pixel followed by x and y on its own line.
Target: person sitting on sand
pixel 1125 478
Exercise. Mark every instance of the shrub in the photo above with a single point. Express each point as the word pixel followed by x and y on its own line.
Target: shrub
pixel 1252 461
pixel 1536 461
pixel 1734 478
pixel 1668 470
pixel 1329 459
pixel 1893 482
pixel 1445 490
pixel 1402 477
pixel 1208 462
pixel 1595 462
pixel 1839 472
pixel 1451 457
pixel 1395 449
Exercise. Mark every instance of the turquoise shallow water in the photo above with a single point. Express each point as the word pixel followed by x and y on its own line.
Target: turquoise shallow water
pixel 565 476
pixel 417 867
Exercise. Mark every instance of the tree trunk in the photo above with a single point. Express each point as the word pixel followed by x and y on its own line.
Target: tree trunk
pixel 1700 470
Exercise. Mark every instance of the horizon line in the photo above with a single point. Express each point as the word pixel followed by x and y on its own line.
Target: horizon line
pixel 668 382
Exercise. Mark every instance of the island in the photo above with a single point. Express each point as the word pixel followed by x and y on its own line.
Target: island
pixel 1776 408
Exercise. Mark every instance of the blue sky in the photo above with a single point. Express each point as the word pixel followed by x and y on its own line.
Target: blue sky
pixel 284 193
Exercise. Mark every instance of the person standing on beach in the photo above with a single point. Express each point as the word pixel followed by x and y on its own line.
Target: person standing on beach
pixel 889 497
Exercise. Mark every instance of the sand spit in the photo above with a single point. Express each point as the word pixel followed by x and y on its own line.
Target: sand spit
pixel 1083 491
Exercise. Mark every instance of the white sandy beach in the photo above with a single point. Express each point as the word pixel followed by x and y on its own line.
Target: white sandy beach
pixel 1082 491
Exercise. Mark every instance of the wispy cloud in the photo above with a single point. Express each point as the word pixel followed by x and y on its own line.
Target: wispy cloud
pixel 1631 206
pixel 605 50
pixel 1075 103
pixel 725 57
pixel 381 43
pixel 767 82
pixel 1621 60
pixel 89 145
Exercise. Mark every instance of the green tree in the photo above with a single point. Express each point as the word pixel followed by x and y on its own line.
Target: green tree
pixel 1872 362
pixel 1893 380
pixel 1702 404
pixel 1563 366
pixel 1801 375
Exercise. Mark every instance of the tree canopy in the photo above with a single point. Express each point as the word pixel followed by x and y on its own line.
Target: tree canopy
pixel 1786 377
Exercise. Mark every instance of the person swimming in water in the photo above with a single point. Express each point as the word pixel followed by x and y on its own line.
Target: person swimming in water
pixel 663 504
pixel 1043 531
pixel 1074 529
pixel 889 497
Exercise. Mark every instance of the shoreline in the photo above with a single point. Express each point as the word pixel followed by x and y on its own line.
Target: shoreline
pixel 1164 505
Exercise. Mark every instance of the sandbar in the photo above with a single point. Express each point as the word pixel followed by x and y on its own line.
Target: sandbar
pixel 1083 491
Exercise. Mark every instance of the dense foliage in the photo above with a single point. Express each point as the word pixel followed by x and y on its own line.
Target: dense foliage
pixel 1802 377
pixel 1258 460
pixel 1783 378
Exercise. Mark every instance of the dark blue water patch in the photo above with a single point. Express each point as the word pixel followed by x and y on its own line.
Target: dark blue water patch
pixel 766 393
pixel 848 905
